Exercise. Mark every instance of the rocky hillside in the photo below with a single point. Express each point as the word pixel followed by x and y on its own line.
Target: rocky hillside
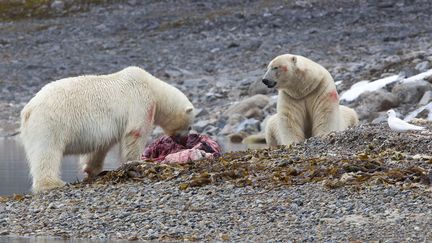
pixel 218 55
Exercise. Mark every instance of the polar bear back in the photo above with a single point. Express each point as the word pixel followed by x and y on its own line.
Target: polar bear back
pixel 97 109
pixel 64 105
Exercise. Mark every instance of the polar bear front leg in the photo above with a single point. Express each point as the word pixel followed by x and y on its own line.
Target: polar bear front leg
pixel 271 131
pixel 291 129
pixel 326 115
pixel 133 143
pixel 93 162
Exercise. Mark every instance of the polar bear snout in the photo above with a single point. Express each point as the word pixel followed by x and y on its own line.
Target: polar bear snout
pixel 269 83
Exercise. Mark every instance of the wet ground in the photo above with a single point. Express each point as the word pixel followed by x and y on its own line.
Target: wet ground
pixel 14 171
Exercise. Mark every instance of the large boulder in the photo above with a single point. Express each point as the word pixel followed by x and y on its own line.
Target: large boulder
pixel 411 92
pixel 370 103
pixel 250 107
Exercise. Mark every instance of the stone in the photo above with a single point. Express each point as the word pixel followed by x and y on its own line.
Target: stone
pixel 423 66
pixel 393 59
pixel 200 112
pixel 232 122
pixel 426 98
pixel 199 126
pixel 248 106
pixel 369 103
pixel 249 126
pixel 411 92
pixel 258 87
pixel 382 118
pixel 58 5
pixel 236 137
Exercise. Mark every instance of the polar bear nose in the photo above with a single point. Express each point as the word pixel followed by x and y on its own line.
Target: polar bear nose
pixel 269 83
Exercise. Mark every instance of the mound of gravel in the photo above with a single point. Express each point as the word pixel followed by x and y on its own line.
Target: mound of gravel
pixel 366 183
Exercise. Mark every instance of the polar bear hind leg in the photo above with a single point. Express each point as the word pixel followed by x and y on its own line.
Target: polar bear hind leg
pixel 45 168
pixel 349 117
pixel 93 162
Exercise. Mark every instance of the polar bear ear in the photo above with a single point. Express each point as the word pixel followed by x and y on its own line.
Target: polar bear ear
pixel 189 110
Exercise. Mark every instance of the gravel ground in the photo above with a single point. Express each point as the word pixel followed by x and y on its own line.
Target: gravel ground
pixel 357 192
pixel 159 211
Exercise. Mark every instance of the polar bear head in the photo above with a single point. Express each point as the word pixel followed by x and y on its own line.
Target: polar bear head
pixel 179 124
pixel 294 74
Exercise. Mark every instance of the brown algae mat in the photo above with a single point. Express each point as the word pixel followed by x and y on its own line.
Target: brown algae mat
pixel 356 157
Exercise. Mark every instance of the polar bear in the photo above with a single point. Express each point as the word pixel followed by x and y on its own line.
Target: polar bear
pixel 308 103
pixel 87 115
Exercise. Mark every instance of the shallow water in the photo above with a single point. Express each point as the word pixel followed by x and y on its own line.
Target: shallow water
pixel 14 171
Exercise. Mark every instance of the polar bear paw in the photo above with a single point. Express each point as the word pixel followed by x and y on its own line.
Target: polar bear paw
pixel 47 184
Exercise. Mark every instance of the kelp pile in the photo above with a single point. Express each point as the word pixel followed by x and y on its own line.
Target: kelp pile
pixel 376 155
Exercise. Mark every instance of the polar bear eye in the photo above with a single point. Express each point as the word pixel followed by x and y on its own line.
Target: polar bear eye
pixel 275 68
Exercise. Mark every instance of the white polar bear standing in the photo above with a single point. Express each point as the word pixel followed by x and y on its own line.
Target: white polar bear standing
pixel 87 115
pixel 308 103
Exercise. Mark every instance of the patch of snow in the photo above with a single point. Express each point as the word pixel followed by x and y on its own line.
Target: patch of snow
pixel 360 87
pixel 417 77
pixel 338 83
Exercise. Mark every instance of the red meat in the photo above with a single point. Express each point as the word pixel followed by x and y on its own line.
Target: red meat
pixel 196 147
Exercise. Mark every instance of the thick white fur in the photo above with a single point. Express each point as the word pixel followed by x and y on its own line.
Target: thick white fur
pixel 272 132
pixel 349 117
pixel 308 104
pixel 87 115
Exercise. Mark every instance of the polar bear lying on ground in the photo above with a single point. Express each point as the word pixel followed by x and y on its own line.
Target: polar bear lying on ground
pixel 308 103
pixel 87 115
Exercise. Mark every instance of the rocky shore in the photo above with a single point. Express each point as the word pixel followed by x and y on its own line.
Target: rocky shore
pixel 217 56
pixel 367 183
pixel 364 184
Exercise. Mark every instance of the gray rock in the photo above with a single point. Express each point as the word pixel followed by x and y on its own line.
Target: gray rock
pixel 393 59
pixel 427 97
pixel 270 109
pixel 201 112
pixel 369 103
pixel 258 87
pixel 423 66
pixel 58 5
pixel 176 72
pixel 248 126
pixel 200 126
pixel 424 114
pixel 411 92
pixel 211 130
pixel 249 107
pixel 382 117
pixel 233 121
